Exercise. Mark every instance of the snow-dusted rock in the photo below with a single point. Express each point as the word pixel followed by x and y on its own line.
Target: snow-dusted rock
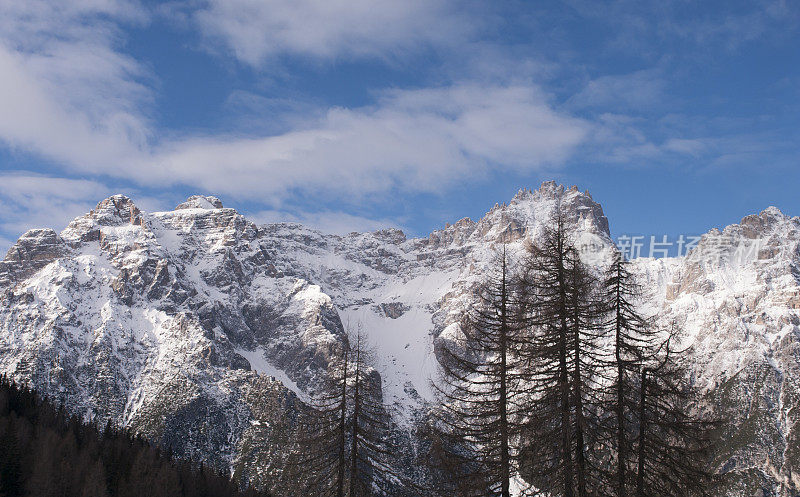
pixel 735 296
pixel 200 202
pixel 205 331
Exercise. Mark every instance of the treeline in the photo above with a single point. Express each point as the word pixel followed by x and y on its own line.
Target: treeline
pixel 45 452
pixel 555 385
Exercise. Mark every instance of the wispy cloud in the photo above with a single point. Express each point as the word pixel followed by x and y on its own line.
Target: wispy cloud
pixel 259 31
pixel 34 118
pixel 76 99
pixel 37 201
pixel 67 92
pixel 636 91
pixel 414 140
pixel 732 27
pixel 339 223
pixel 643 28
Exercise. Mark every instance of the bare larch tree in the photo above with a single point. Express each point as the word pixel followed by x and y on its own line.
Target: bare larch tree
pixel 563 314
pixel 345 436
pixel 676 437
pixel 479 388
pixel 634 341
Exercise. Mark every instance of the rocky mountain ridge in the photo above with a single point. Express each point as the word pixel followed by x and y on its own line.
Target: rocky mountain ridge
pixel 205 331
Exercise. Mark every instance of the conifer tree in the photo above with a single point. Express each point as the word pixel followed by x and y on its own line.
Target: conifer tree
pixel 675 438
pixel 45 452
pixel 588 330
pixel 660 442
pixel 479 389
pixel 345 434
pixel 563 314
pixel 634 341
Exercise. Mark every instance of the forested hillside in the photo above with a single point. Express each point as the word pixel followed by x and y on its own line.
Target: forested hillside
pixel 46 452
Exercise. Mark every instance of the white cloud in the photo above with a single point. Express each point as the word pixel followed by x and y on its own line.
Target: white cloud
pixel 417 140
pixel 736 26
pixel 414 140
pixel 66 92
pixel 257 31
pixel 34 118
pixel 693 147
pixel 642 28
pixel 339 223
pixel 71 48
pixel 30 201
pixel 70 95
pixel 32 24
pixel 680 140
pixel 635 91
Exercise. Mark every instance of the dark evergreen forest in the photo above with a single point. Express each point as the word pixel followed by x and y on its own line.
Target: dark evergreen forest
pixel 46 452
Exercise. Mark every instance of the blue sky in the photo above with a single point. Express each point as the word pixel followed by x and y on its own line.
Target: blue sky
pixel 678 116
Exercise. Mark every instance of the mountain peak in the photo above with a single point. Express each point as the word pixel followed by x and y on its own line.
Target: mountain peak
pixel 118 201
pixel 115 209
pixel 524 214
pixel 35 244
pixel 34 250
pixel 757 225
pixel 200 202
pixel 773 212
pixel 579 206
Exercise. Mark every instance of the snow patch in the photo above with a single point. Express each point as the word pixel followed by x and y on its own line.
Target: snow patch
pixel 259 363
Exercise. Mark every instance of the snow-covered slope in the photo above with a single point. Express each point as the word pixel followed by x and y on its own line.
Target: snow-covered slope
pixel 405 292
pixel 149 320
pixel 205 331
pixel 736 297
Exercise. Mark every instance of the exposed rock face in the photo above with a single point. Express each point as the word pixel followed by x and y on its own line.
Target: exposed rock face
pixel 205 332
pixel 735 297
pixel 392 309
pixel 143 319
pixel 200 202
pixel 34 250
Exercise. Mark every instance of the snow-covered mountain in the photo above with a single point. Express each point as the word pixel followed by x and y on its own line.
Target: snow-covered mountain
pixel 206 332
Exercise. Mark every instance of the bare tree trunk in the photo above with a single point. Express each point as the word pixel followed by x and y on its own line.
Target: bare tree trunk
pixel 642 432
pixel 356 413
pixel 565 390
pixel 566 446
pixel 505 470
pixel 580 456
pixel 342 440
pixel 622 454
pixel 479 381
pixel 565 422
